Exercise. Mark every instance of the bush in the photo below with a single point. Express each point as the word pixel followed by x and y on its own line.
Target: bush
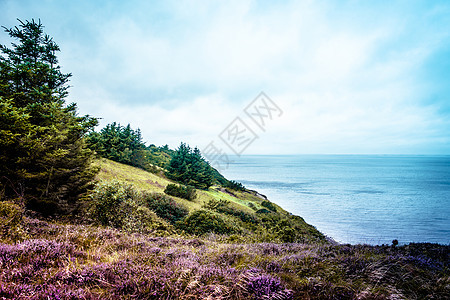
pixel 223 206
pixel 202 221
pixel 183 191
pixel 263 211
pixel 165 207
pixel 139 218
pixel 289 229
pixel 119 205
pixel 109 201
pixel 10 214
pixel 10 220
pixel 234 185
pixel 269 205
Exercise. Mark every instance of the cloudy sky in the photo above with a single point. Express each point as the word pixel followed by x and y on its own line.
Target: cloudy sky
pixel 361 77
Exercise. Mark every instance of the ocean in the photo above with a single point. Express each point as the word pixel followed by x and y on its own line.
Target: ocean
pixel 370 199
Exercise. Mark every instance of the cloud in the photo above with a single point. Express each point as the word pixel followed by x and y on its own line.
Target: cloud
pixel 351 78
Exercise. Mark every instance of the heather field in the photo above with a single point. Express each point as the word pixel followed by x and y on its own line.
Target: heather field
pixel 221 245
pixel 86 262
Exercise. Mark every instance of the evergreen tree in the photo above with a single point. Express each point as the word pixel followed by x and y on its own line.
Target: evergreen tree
pixel 44 160
pixel 187 166
pixel 121 144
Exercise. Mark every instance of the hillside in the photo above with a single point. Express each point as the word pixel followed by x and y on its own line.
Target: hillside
pixel 229 204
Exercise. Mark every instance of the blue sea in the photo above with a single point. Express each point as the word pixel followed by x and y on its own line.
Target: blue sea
pixel 369 199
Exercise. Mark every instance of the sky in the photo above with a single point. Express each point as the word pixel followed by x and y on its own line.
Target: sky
pixel 346 77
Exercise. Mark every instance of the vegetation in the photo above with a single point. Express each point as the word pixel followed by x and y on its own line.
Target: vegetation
pixel 121 144
pixel 269 205
pixel 125 145
pixel 44 161
pixel 165 207
pixel 234 185
pixel 201 222
pixel 11 217
pixel 182 191
pixel 224 207
pixel 189 167
pixel 184 165
pixel 121 206
pixel 85 262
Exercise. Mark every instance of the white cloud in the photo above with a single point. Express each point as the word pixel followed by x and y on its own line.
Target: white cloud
pixel 349 78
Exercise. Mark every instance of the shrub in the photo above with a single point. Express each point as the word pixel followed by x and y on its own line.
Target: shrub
pixel 234 185
pixel 182 191
pixel 165 207
pixel 223 206
pixel 10 214
pixel 290 228
pixel 10 220
pixel 263 211
pixel 203 221
pixel 119 205
pixel 269 205
pixel 139 218
pixel 110 201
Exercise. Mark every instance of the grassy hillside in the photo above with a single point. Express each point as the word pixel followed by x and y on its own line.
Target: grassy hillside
pixel 111 170
pixel 231 205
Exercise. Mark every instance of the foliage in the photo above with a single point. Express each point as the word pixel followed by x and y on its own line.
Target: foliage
pixel 263 211
pixel 234 185
pixel 187 166
pixel 164 206
pixel 290 228
pixel 119 143
pixel 224 207
pixel 108 201
pixel 159 155
pixel 11 216
pixel 124 144
pixel 120 206
pixel 202 221
pixel 269 205
pixel 44 160
pixel 264 286
pixel 182 191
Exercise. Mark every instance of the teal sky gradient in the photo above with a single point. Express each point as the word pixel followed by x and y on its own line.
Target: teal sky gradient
pixel 361 77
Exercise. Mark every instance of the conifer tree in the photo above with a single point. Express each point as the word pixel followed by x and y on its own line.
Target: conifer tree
pixel 187 166
pixel 44 160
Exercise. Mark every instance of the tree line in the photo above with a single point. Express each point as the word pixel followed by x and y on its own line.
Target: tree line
pixel 184 165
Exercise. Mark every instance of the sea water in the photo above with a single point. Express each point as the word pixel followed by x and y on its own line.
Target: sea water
pixel 370 199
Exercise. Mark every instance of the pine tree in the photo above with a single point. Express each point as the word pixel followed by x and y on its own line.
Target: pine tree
pixel 187 166
pixel 44 160
pixel 121 144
